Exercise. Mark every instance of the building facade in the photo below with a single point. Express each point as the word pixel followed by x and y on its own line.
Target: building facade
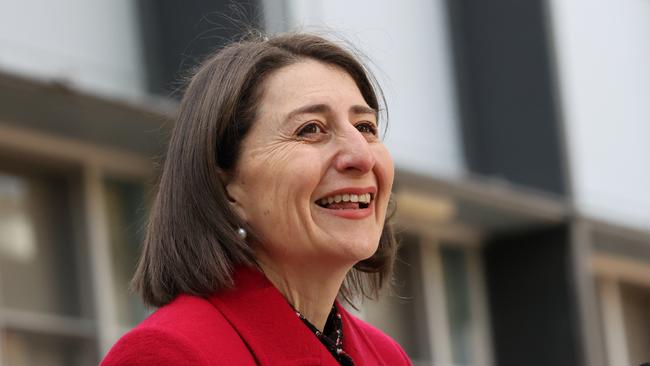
pixel 518 130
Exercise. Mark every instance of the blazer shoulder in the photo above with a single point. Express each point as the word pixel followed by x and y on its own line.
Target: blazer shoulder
pixel 190 327
pixel 385 345
pixel 150 346
pixel 187 315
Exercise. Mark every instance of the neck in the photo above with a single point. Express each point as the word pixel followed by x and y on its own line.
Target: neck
pixel 311 290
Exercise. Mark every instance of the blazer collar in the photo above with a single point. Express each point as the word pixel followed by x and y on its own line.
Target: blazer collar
pixel 267 323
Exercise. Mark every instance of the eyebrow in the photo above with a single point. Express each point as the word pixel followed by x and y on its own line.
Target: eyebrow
pixel 324 109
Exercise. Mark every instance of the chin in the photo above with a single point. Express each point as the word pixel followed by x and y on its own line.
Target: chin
pixel 356 251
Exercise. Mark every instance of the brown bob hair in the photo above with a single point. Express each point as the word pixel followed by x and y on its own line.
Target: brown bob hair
pixel 191 244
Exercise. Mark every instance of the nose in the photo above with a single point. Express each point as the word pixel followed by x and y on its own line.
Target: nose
pixel 354 155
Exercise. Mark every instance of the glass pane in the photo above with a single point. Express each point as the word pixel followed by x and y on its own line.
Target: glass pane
pixel 636 312
pixel 402 315
pixel 126 215
pixel 38 258
pixel 454 262
pixel 28 349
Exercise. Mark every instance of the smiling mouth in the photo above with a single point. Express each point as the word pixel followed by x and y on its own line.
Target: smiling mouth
pixel 346 201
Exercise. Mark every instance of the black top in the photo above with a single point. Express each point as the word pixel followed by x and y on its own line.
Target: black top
pixel 331 336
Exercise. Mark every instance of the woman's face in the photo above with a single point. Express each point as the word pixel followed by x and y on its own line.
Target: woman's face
pixel 313 179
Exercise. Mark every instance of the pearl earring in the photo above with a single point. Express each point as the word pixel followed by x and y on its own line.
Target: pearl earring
pixel 242 233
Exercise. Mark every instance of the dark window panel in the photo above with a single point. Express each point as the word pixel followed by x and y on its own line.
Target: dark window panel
pixel 179 34
pixel 510 123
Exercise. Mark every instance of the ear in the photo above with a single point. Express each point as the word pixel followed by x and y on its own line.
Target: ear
pixel 233 188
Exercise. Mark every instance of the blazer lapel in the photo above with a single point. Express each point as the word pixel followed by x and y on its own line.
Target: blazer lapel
pixel 267 323
pixel 355 343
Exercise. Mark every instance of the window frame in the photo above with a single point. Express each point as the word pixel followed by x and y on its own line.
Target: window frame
pixel 93 163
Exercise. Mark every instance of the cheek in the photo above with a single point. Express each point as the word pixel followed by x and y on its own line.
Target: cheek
pixel 384 168
pixel 280 187
pixel 385 173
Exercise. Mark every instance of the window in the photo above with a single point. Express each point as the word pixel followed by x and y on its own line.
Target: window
pixel 29 348
pixel 402 314
pixel 36 249
pixel 456 282
pixel 46 318
pixel 125 206
pixel 437 311
pixel 624 307
pixel 636 315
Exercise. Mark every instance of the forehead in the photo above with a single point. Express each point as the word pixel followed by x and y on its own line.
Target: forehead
pixel 309 81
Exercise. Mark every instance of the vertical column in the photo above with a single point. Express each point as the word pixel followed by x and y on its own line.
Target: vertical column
pixel 99 250
pixel 590 331
pixel 434 294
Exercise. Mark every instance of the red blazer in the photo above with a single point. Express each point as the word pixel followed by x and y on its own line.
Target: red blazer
pixel 250 325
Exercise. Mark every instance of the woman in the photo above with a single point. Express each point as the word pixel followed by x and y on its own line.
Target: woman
pixel 272 203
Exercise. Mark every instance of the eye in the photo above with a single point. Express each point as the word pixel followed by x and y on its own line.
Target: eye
pixel 367 128
pixel 311 128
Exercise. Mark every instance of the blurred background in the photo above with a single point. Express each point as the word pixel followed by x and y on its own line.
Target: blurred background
pixel 520 131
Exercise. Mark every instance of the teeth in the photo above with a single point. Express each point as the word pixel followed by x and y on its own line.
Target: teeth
pixel 346 197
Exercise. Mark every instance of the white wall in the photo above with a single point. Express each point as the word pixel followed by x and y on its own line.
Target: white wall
pixel 603 54
pixel 408 43
pixel 92 44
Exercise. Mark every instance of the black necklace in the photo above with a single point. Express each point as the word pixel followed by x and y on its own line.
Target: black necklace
pixel 331 336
